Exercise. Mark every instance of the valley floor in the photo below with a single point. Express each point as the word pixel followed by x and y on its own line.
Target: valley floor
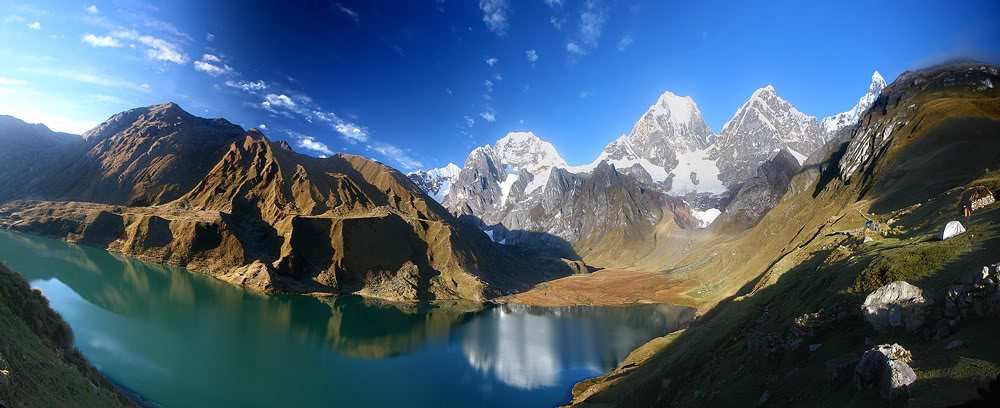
pixel 608 287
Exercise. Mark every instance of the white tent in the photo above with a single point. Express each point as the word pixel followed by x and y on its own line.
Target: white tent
pixel 953 228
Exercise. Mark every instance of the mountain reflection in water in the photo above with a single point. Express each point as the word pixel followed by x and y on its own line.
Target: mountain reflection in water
pixel 182 339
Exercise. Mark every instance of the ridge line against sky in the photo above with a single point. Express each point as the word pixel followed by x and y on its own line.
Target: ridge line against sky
pixel 420 84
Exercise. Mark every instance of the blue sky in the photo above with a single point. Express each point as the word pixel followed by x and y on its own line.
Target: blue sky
pixel 418 84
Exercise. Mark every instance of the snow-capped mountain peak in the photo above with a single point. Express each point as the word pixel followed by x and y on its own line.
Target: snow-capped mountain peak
pixel 834 123
pixel 525 151
pixel 436 182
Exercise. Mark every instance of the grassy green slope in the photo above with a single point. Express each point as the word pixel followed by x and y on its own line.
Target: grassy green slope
pixel 38 365
pixel 756 284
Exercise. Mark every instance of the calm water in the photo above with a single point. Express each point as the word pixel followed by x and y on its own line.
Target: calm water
pixel 185 340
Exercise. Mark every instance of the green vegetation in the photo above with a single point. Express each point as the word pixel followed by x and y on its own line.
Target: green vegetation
pixel 39 367
pixel 792 268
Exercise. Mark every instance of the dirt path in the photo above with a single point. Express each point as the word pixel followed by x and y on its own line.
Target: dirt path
pixel 608 288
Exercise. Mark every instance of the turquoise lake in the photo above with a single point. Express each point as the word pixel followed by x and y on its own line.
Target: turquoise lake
pixel 181 339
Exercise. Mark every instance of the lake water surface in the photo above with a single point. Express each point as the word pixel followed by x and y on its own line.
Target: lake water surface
pixel 184 340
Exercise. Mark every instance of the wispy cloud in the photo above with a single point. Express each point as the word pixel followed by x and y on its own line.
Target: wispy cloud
pixel 157 48
pixel 557 22
pixel 13 19
pixel 470 122
pixel 8 81
pixel 624 42
pixel 105 41
pixel 278 101
pixel 532 56
pixel 495 15
pixel 210 58
pixel 397 155
pixel 584 94
pixel 575 48
pixel 92 10
pixel 70 75
pixel 308 142
pixel 588 30
pixel 489 85
pixel 347 12
pixel 212 69
pixel 35 26
pixel 209 37
pixel 489 115
pixel 554 3
pixel 491 61
pixel 247 86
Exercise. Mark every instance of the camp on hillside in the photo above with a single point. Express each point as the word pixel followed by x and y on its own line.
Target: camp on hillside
pixel 952 229
pixel 977 197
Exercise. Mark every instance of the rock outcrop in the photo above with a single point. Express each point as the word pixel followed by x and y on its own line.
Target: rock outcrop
pixel 898 304
pixel 886 367
pixel 760 193
pixel 253 216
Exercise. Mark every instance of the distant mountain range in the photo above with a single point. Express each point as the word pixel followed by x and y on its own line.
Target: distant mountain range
pixel 515 188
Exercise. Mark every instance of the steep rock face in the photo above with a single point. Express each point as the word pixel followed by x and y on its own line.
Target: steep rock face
pixel 876 128
pixel 525 151
pixel 671 126
pixel 477 188
pixel 833 124
pixel 763 125
pixel 143 156
pixel 760 193
pixel 436 182
pixel 273 220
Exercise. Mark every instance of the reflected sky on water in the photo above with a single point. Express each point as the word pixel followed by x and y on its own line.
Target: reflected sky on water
pixel 182 339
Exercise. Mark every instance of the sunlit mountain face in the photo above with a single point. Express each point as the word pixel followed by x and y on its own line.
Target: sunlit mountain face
pixel 497 203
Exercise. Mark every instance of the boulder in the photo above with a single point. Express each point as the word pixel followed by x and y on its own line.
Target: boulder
pixel 872 367
pixel 897 377
pixel 898 304
pixel 839 370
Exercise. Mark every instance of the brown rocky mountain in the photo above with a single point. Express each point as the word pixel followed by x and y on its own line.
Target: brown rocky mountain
pixel 162 185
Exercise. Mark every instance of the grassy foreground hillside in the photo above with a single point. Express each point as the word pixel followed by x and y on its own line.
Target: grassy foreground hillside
pixel 792 277
pixel 39 367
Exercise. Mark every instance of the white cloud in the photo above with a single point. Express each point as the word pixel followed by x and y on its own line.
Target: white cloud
pixel 92 10
pixel 310 143
pixel 574 48
pixel 351 132
pixel 210 58
pixel 35 26
pixel 209 37
pixel 78 76
pixel 491 61
pixel 262 126
pixel 489 85
pixel 521 122
pixel 448 91
pixel 13 19
pixel 591 22
pixel 213 70
pixel 495 14
pixel 498 77
pixel 532 55
pixel 348 12
pixel 95 41
pixel 557 22
pixel 248 87
pixel 554 3
pixel 8 81
pixel 280 101
pixel 395 154
pixel 489 116
pixel 157 49
pixel 624 42
pixel 469 121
